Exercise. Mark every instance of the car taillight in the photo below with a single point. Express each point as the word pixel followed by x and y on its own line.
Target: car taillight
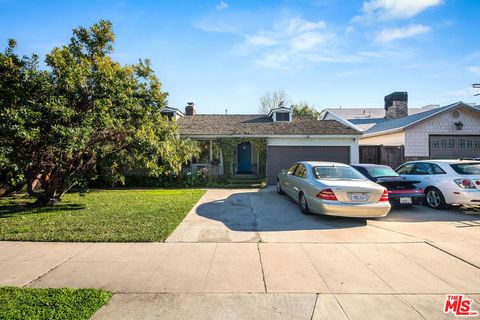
pixel 327 194
pixel 384 196
pixel 465 183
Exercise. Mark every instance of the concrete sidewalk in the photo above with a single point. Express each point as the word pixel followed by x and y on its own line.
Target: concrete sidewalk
pixel 249 280
pixel 243 254
pixel 401 268
pixel 275 306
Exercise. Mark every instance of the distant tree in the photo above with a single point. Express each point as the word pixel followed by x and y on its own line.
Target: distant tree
pixel 303 109
pixel 275 99
pixel 57 125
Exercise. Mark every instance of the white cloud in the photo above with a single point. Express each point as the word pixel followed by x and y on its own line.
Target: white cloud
pixel 299 25
pixel 394 9
pixel 474 69
pixel 260 40
pixel 288 42
pixel 391 34
pixel 222 5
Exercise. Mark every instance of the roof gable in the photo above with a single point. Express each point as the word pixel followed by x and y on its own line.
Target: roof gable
pixel 402 123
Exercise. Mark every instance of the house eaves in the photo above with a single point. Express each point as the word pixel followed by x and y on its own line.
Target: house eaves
pixel 342 120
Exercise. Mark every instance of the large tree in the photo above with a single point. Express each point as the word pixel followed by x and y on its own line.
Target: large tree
pixel 275 99
pixel 57 124
pixel 303 109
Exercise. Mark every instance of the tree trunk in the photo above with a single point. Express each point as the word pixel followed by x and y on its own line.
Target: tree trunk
pixel 48 185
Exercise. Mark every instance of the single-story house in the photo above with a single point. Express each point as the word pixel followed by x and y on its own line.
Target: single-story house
pixel 451 131
pixel 263 144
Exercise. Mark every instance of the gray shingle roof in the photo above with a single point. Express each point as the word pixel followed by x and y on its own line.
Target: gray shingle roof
pixel 406 121
pixel 258 125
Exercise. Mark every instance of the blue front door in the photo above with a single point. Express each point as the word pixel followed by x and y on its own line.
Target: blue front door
pixel 244 157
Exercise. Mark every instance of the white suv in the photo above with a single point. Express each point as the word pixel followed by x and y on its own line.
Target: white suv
pixel 455 182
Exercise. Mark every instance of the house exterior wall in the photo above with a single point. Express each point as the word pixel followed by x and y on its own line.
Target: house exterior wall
pixel 417 136
pixel 391 139
pixel 324 141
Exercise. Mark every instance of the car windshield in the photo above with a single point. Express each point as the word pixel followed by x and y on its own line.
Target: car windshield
pixel 466 168
pixel 337 173
pixel 378 172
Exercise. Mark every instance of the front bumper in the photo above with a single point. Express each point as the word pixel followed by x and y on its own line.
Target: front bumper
pixel 342 209
pixel 469 197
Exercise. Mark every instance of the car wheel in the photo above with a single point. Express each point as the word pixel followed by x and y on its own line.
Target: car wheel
pixel 302 202
pixel 434 198
pixel 279 187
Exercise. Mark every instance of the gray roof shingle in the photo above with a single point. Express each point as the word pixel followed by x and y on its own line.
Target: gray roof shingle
pixel 258 125
pixel 406 121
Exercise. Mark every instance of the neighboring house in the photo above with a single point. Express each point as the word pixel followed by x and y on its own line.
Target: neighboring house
pixel 451 131
pixel 263 145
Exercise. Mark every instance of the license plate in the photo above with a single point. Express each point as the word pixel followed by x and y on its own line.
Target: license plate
pixel 405 200
pixel 358 196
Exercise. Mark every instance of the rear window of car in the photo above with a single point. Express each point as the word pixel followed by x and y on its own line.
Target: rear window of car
pixel 337 173
pixel 466 168
pixel 377 172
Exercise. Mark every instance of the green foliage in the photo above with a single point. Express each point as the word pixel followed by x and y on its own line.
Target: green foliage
pixel 85 111
pixel 228 146
pixel 39 304
pixel 102 216
pixel 303 109
pixel 186 179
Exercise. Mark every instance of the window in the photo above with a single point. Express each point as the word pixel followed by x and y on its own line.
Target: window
pixel 443 144
pixel 377 172
pixel 337 173
pixel 169 115
pixel 291 170
pixel 282 116
pixel 406 169
pixel 467 168
pixel 301 171
pixel 421 169
pixel 436 169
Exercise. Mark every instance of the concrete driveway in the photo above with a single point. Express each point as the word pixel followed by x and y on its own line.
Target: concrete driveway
pixel 244 254
pixel 264 216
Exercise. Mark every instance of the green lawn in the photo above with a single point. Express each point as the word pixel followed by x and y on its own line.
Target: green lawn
pixel 33 304
pixel 102 215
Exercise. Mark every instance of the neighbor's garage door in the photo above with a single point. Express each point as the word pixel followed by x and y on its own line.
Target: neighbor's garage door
pixel 281 157
pixel 452 147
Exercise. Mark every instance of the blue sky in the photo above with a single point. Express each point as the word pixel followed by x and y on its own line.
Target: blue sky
pixel 226 54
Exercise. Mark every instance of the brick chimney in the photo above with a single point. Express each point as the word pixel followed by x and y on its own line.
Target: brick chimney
pixel 190 109
pixel 396 105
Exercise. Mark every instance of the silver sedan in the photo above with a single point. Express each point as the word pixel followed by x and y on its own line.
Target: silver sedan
pixel 333 189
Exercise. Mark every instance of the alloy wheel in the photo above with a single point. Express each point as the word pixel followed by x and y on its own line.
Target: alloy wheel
pixel 434 199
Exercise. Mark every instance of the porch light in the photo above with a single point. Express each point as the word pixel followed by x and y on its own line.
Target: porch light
pixel 458 125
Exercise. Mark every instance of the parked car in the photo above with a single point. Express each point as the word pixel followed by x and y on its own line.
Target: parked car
pixel 333 189
pixel 401 190
pixel 453 182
